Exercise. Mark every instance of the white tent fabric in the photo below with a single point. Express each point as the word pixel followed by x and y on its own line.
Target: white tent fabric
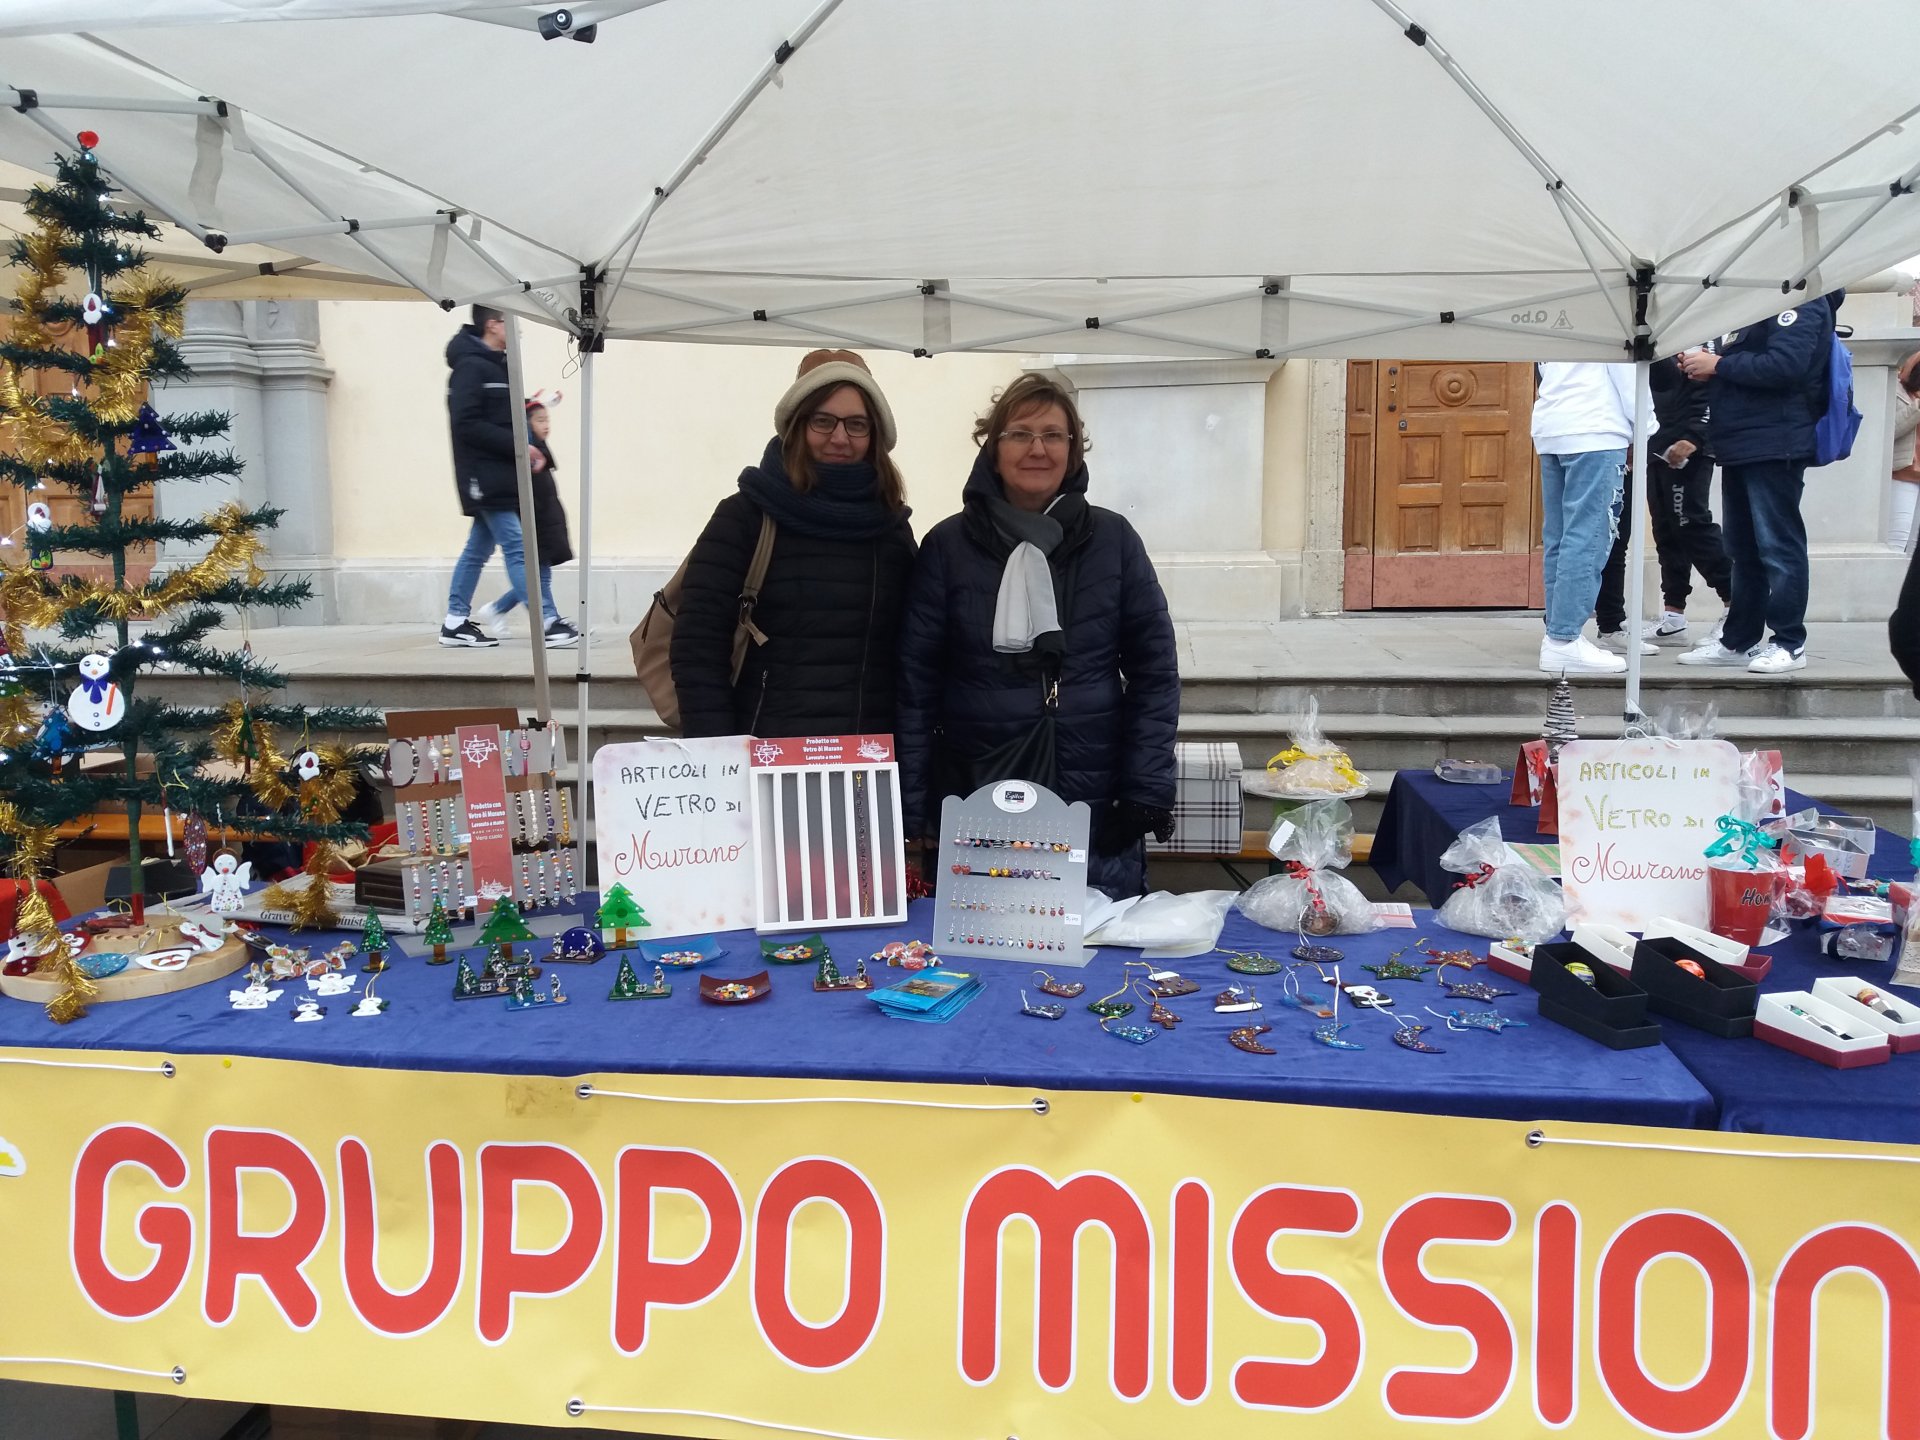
pixel 1212 177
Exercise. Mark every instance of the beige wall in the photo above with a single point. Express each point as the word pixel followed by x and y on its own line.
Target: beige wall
pixel 677 423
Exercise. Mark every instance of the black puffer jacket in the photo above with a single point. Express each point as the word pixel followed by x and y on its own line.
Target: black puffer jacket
pixel 831 612
pixel 480 417
pixel 1119 676
pixel 1770 387
pixel 549 515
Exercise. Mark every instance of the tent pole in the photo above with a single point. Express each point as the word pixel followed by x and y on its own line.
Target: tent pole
pixel 583 664
pixel 529 531
pixel 1631 516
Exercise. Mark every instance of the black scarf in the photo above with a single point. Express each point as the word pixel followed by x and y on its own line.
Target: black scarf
pixel 844 503
pixel 999 525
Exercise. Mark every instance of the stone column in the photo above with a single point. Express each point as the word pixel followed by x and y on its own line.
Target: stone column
pixel 260 362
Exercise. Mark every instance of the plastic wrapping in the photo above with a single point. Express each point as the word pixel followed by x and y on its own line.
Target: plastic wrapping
pixel 1312 898
pixel 1312 767
pixel 1502 897
pixel 1163 921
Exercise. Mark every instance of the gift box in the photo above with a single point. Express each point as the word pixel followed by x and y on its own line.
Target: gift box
pixel 1207 810
pixel 1721 1003
pixel 1730 953
pixel 1845 840
pixel 1900 1018
pixel 1809 1025
pixel 1612 1010
pixel 1609 942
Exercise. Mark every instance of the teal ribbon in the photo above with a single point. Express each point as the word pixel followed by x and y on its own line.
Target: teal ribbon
pixel 1913 851
pixel 1741 835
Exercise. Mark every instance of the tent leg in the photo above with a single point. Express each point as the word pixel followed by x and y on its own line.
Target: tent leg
pixel 529 530
pixel 1631 514
pixel 583 668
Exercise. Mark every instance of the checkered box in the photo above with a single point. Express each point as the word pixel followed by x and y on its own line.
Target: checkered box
pixel 1206 802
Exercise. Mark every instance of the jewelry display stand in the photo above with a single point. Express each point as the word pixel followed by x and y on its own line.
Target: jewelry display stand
pixel 1012 875
pixel 827 833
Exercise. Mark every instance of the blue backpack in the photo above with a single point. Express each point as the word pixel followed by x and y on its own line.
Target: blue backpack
pixel 1839 422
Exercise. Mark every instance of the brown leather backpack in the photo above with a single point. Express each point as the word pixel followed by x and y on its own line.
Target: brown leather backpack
pixel 652 639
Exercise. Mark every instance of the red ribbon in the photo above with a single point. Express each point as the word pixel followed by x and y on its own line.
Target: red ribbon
pixel 1484 874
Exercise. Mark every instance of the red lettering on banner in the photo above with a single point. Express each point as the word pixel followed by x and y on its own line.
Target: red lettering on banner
pixel 1556 1312
pixel 1889 1264
pixel 841 1339
pixel 168 1229
pixel 1414 1393
pixel 1190 1287
pixel 277 1259
pixel 1297 1295
pixel 1058 1213
pixel 506 1271
pixel 640 1281
pixel 401 1312
pixel 1711 1396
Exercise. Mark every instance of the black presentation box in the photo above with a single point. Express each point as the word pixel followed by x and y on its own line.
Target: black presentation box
pixel 1722 1004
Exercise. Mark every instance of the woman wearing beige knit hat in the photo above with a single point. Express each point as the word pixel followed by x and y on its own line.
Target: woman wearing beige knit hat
pixel 829 607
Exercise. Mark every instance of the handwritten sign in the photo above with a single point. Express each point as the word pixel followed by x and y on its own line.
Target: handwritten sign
pixel 673 827
pixel 1635 817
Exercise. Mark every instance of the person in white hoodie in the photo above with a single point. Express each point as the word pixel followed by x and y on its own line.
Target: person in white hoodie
pixel 1582 428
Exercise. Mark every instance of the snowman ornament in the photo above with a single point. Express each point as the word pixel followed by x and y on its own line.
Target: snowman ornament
pixel 96 702
pixel 225 882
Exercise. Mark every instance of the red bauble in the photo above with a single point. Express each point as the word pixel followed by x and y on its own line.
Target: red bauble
pixel 87 139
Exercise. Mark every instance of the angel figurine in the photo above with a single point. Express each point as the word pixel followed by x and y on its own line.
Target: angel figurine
pixel 225 882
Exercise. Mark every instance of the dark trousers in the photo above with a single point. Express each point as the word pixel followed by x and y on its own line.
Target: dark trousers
pixel 1684 537
pixel 1903 626
pixel 1767 542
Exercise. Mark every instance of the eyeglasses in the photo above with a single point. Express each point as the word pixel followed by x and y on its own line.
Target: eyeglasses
pixel 1023 439
pixel 858 426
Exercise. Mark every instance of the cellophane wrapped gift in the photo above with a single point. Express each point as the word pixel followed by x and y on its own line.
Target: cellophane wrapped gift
pixel 1312 766
pixel 1313 897
pixel 1502 897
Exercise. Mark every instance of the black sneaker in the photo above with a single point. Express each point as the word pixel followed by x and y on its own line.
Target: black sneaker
pixel 466 635
pixel 561 635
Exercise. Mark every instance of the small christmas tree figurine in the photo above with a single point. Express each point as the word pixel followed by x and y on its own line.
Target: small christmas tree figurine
pixel 504 926
pixel 373 940
pixel 438 934
pixel 1562 726
pixel 626 984
pixel 466 984
pixel 619 913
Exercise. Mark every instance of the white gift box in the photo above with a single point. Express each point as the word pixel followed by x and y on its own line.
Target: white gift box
pixel 1609 942
pixel 1858 1043
pixel 1902 1027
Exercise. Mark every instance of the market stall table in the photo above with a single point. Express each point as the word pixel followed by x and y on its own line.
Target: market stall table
pixel 1423 813
pixel 1540 1072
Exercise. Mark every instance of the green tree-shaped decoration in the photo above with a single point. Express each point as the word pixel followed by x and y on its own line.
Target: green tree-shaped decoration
pixel 619 913
pixel 504 926
pixel 439 933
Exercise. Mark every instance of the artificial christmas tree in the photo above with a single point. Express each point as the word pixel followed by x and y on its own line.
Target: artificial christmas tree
pixel 75 421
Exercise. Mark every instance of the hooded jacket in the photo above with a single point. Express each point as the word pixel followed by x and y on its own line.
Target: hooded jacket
pixel 1770 387
pixel 480 420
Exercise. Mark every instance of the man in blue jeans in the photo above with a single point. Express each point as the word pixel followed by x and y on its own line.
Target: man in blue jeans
pixel 1766 391
pixel 1582 427
pixel 486 475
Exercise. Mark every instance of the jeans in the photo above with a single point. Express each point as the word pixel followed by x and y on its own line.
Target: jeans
pixel 1767 542
pixel 502 528
pixel 1579 512
pixel 1684 535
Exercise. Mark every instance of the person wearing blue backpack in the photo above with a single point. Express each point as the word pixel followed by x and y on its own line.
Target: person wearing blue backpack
pixel 1771 415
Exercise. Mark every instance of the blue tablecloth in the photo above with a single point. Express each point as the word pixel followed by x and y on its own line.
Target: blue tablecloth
pixel 1423 813
pixel 1540 1072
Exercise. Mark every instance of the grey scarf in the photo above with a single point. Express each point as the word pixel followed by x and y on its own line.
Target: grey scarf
pixel 1025 609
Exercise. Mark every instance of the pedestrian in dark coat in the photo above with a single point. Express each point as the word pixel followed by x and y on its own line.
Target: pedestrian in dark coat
pixel 1035 616
pixel 829 608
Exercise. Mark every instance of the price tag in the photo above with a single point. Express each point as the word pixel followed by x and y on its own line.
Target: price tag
pixel 1076 857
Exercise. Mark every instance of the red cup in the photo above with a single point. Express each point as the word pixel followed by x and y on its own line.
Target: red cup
pixel 1739 902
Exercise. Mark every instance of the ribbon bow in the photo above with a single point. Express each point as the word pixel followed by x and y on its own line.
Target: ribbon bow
pixel 1479 877
pixel 1333 755
pixel 96 688
pixel 1741 835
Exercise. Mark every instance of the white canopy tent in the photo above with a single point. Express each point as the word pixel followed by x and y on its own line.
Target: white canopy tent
pixel 1479 179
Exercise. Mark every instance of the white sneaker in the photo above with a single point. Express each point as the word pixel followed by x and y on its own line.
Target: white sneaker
pixel 1578 656
pixel 1719 629
pixel 1616 641
pixel 1669 629
pixel 491 621
pixel 1714 653
pixel 1776 659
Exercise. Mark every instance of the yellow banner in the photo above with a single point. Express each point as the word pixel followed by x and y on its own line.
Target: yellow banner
pixel 731 1258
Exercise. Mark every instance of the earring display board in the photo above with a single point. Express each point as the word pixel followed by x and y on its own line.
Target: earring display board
pixel 479 811
pixel 828 839
pixel 1012 875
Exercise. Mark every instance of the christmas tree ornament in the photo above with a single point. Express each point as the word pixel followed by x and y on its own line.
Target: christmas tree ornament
pixel 1490 1020
pixel 1247 1038
pixel 1471 990
pixel 1236 999
pixel 577 945
pixel 147 440
pixel 1407 1035
pixel 1397 970
pixel 39 522
pixel 438 934
pixel 306 766
pixel 503 927
pixel 96 703
pixel 193 836
pixel 1063 989
pixel 373 940
pixel 99 505
pixel 93 310
pixel 618 913
pixel 224 882
pixel 827 976
pixel 1562 725
pixel 1040 1012
pixel 308 1010
pixel 1132 1034
pixel 370 1006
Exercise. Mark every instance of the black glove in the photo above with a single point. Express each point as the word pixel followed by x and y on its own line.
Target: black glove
pixel 1125 822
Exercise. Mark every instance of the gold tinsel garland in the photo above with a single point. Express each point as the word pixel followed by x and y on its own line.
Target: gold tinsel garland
pixel 31 599
pixel 33 919
pixel 249 742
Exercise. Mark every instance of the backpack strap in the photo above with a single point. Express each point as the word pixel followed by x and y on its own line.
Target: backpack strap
pixel 755 578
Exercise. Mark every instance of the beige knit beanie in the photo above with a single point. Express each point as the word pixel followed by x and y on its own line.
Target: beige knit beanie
pixel 822 370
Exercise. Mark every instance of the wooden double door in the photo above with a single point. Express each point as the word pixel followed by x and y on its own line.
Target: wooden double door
pixel 1442 486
